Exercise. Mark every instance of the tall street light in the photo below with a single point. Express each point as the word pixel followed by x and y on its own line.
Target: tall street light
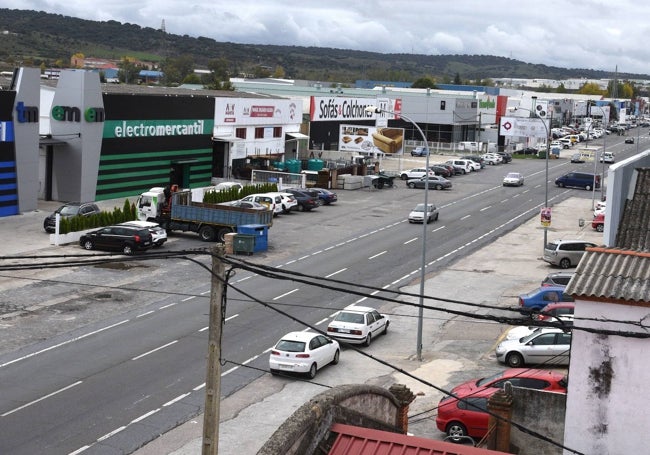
pixel 548 150
pixel 377 110
pixel 602 179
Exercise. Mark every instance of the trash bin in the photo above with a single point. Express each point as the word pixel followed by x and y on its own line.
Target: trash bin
pixel 259 232
pixel 244 243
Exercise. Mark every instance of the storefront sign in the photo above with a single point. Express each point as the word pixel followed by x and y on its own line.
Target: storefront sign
pixel 240 111
pixel 73 114
pixel 26 114
pixel 156 128
pixel 340 108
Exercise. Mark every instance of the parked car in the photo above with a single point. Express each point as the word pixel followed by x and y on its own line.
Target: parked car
pixel 492 158
pixel 419 151
pixel 542 296
pixel 598 223
pixel 584 180
pixel 529 151
pixel 158 234
pixel 557 279
pixel 477 160
pixel 68 210
pixel 507 157
pixel 127 239
pixel 459 419
pixel 328 197
pixel 549 346
pixel 607 157
pixel 557 311
pixel 416 173
pixel 303 352
pixel 245 205
pixel 358 325
pixel 464 165
pixel 629 140
pixel 513 179
pixel 441 171
pixel 418 214
pixel 285 200
pixel 435 183
pixel 305 199
pixel 266 200
pixel 449 167
pixel 565 253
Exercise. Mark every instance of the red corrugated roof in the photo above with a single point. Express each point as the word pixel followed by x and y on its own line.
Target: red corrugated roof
pixel 364 441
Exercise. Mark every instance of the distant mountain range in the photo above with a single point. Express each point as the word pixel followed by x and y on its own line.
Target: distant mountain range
pixel 35 38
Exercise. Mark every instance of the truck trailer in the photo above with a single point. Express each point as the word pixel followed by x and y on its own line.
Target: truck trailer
pixel 174 210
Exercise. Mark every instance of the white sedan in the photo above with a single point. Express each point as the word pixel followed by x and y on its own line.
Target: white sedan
pixel 492 158
pixel 416 173
pixel 303 352
pixel 358 324
pixel 513 179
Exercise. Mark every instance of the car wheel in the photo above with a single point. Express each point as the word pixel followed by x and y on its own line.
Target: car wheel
pixel 464 172
pixel 411 185
pixel 335 360
pixel 438 187
pixel 386 328
pixel 206 233
pixel 561 185
pixel 88 245
pixel 600 228
pixel 436 218
pixel 456 431
pixel 404 176
pixel 127 249
pixel 514 360
pixel 301 208
pixel 221 234
pixel 565 263
pixel 285 209
pixel 312 371
pixel 588 187
pixel 368 340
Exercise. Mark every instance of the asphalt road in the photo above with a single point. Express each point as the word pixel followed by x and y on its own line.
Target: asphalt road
pixel 107 380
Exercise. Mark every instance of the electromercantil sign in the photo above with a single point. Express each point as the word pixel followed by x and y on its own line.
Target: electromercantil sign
pixel 156 128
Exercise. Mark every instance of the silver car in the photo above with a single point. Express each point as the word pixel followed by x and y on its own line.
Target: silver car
pixel 543 345
pixel 565 253
pixel 418 214
pixel 513 179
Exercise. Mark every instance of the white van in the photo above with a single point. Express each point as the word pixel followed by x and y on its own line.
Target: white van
pixel 469 146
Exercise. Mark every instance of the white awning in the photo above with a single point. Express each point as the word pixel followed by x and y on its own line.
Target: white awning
pixel 226 138
pixel 298 135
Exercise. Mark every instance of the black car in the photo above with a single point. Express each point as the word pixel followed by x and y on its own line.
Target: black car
pixel 307 199
pixel 506 156
pixel 70 209
pixel 441 171
pixel 126 239
pixel 629 140
pixel 326 196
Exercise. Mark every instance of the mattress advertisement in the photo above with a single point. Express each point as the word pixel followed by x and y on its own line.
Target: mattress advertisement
pixel 364 139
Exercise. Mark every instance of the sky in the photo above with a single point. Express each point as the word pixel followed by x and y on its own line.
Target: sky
pixel 591 34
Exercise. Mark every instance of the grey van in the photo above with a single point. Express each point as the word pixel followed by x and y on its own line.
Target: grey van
pixel 565 253
pixel 584 180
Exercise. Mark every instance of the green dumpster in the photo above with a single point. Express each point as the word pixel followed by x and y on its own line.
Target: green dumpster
pixel 243 243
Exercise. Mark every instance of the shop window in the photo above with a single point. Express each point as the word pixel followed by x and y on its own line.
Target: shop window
pixel 259 133
pixel 240 133
pixel 277 131
pixel 443 104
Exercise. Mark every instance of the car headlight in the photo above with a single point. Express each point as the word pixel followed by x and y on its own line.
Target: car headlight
pixel 500 349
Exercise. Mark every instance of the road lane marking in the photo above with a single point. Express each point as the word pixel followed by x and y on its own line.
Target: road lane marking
pixel 409 241
pixel 155 350
pixel 377 255
pixel 285 294
pixel 465 217
pixel 144 416
pixel 334 273
pixel 178 398
pixel 167 306
pixel 41 399
pixel 188 298
pixel 485 208
pixel 322 321
pixel 144 314
pixel 112 433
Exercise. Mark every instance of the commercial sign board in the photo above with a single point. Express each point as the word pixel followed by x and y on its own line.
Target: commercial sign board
pixel 156 128
pixel 523 127
pixel 360 138
pixel 256 111
pixel 343 108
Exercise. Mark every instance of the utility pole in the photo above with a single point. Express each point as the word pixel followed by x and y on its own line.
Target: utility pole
pixel 213 376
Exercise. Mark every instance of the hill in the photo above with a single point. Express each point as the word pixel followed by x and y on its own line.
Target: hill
pixel 35 38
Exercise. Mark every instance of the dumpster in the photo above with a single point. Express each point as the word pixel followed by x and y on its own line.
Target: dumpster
pixel 243 243
pixel 259 232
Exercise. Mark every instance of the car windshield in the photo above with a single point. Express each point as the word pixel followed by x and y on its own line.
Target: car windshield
pixel 530 336
pixel 489 379
pixel 69 210
pixel 353 318
pixel 512 175
pixel 290 346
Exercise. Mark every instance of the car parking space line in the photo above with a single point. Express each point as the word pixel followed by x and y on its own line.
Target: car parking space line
pixel 285 294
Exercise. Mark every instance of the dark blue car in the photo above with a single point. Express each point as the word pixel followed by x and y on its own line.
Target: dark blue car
pixel 540 297
pixel 419 151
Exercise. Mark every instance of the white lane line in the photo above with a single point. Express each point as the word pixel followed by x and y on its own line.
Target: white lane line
pixel 205 292
pixel 246 362
pixel 167 306
pixel 465 217
pixel 303 257
pixel 245 278
pixel 228 371
pixel 112 433
pixel 285 294
pixel 334 273
pixel 144 314
pixel 144 416
pixel 199 387
pixel 437 229
pixel 316 252
pixel 322 321
pixel 41 399
pixel 155 350
pixel 178 398
pixel 232 317
pixel 188 298
pixel 409 241
pixel 204 329
pixel 485 208
pixel 377 255
pixel 79 450
pixel 72 340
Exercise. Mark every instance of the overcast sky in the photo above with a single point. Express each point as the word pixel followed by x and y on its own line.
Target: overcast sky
pixel 591 34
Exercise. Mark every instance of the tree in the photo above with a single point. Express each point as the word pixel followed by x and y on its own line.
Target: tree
pixel 128 71
pixel 176 69
pixel 219 77
pixel 424 82
pixel 590 88
pixel 561 89
pixel 279 72
pixel 457 79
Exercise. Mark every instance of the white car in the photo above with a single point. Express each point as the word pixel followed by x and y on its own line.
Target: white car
pixel 266 200
pixel 303 352
pixel 513 179
pixel 286 201
pixel 417 215
pixel 549 346
pixel 464 165
pixel 158 234
pixel 358 325
pixel 416 173
pixel 492 158
pixel 601 207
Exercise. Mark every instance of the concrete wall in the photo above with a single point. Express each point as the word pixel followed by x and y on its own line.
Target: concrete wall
pixel 542 412
pixel 360 405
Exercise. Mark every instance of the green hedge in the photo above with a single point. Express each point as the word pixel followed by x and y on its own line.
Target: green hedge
pixel 233 194
pixel 82 223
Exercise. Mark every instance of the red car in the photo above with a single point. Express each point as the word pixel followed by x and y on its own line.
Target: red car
pixel 598 222
pixel 468 417
pixel 559 310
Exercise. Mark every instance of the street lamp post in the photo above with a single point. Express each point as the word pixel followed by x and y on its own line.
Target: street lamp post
pixel 602 179
pixel 377 110
pixel 548 150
